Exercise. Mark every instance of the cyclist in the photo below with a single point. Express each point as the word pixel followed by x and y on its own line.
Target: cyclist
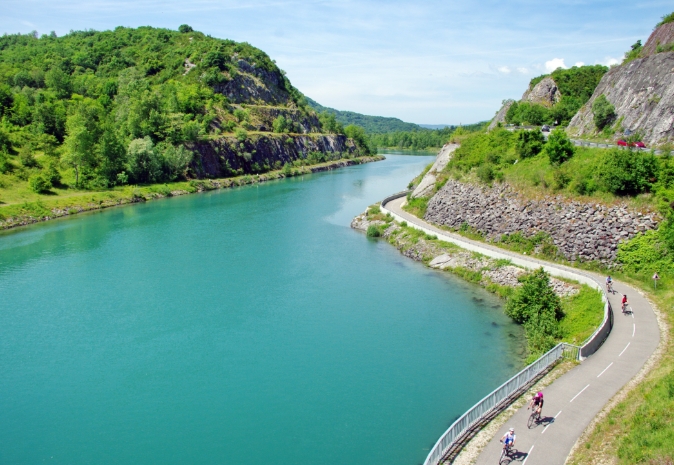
pixel 609 285
pixel 624 303
pixel 509 438
pixel 537 403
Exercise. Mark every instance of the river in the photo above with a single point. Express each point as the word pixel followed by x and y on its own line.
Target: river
pixel 238 326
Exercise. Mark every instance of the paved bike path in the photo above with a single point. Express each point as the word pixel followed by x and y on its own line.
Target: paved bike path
pixel 574 399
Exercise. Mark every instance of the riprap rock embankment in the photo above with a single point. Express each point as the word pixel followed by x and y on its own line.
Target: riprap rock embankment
pixel 580 231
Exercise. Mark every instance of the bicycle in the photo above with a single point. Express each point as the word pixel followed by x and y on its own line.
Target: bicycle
pixel 609 288
pixel 534 418
pixel 506 452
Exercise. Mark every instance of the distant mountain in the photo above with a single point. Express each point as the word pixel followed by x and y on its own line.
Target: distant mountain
pixel 437 126
pixel 371 124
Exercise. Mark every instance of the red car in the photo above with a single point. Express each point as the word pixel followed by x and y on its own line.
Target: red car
pixel 638 144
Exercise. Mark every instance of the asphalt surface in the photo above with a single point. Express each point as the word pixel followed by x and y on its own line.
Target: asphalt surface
pixel 574 399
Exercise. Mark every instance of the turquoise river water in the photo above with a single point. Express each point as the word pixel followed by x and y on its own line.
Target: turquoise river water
pixel 240 326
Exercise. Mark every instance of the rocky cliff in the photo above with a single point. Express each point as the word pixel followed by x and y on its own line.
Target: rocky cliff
pixel 501 114
pixel 544 93
pixel 227 156
pixel 642 92
pixel 580 231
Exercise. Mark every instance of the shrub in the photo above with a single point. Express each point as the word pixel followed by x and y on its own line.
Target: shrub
pixel 280 125
pixel 559 147
pixel 529 143
pixel 39 183
pixel 604 112
pixel 184 28
pixel 536 306
pixel 240 134
pixel 373 231
pixel 485 173
pixel 626 172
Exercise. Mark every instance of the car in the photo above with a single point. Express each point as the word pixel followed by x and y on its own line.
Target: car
pixel 638 144
pixel 545 128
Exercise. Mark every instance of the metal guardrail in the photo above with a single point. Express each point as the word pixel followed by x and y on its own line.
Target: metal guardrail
pixel 499 397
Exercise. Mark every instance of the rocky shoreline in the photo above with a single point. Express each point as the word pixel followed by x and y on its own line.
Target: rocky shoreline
pixel 449 257
pixel 195 186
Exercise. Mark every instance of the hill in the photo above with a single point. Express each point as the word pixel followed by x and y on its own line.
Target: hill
pixel 92 110
pixel 371 124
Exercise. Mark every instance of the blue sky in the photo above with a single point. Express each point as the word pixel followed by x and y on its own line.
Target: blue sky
pixel 433 62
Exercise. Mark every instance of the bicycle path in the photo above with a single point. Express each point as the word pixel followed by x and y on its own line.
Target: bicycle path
pixel 574 399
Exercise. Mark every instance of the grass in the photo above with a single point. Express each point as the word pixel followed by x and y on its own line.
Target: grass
pixel 584 312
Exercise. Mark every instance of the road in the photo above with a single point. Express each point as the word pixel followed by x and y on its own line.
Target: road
pixel 574 399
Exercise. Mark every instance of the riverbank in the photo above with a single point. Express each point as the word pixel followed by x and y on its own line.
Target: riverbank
pixel 46 208
pixel 582 305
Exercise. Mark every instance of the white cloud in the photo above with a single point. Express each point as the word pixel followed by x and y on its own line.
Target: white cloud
pixel 579 64
pixel 553 64
pixel 504 70
pixel 609 61
pixel 523 70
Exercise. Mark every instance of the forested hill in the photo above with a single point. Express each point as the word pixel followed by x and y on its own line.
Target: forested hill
pixel 150 105
pixel 371 124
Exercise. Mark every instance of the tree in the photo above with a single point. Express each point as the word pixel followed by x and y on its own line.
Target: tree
pixel 184 28
pixel 80 144
pixel 39 183
pixel 176 161
pixel 536 306
pixel 559 147
pixel 359 137
pixel 112 154
pixel 144 164
pixel 604 112
pixel 626 172
pixel 529 143
pixel 280 124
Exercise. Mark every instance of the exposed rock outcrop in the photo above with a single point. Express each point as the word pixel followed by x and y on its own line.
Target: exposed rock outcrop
pixel 427 183
pixel 501 115
pixel 228 156
pixel 544 93
pixel 580 231
pixel 642 92
pixel 663 35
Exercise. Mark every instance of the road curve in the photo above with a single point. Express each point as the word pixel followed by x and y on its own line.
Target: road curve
pixel 574 399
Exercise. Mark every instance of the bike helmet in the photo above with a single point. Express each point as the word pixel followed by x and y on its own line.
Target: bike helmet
pixel 512 430
pixel 540 394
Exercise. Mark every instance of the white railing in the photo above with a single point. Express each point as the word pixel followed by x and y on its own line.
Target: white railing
pixel 498 398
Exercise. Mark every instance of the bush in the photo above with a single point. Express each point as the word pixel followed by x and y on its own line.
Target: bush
pixel 486 173
pixel 241 134
pixel 529 143
pixel 559 147
pixel 39 183
pixel 626 172
pixel 373 231
pixel 536 306
pixel 280 125
pixel 604 112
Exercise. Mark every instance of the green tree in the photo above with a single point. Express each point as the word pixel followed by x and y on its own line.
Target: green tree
pixel 536 306
pixel 628 172
pixel 80 143
pixel 559 147
pixel 357 134
pixel 280 124
pixel 144 164
pixel 529 143
pixel 184 28
pixel 604 112
pixel 112 154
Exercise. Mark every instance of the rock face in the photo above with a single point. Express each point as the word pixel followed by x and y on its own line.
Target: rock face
pixel 227 156
pixel 252 84
pixel 500 116
pixel 580 231
pixel 427 183
pixel 661 36
pixel 544 93
pixel 642 92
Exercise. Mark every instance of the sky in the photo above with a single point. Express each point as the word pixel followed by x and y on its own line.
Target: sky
pixel 426 62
